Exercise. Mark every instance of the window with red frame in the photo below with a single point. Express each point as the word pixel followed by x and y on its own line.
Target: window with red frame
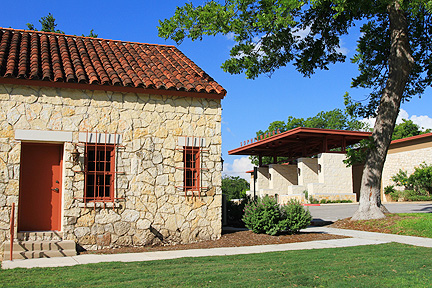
pixel 99 172
pixel 192 169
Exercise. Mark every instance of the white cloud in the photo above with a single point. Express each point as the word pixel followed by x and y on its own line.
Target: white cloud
pixel 230 36
pixel 238 168
pixel 424 121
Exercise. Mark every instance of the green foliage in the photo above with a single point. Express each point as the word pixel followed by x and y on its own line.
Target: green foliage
pixel 389 189
pixel 419 181
pixel 313 200
pixel 48 24
pixel 234 187
pixel 358 154
pixel 267 38
pixel 295 217
pixel 265 216
pixel 334 119
pixel 417 186
pixel 327 201
pixel 91 34
pixel 235 212
pixel 407 129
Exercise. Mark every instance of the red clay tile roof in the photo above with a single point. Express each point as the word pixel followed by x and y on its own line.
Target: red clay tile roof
pixel 57 58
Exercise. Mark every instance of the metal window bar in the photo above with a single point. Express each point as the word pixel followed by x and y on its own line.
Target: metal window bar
pixel 99 169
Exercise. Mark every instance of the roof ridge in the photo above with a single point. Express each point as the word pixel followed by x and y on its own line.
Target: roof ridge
pixel 85 37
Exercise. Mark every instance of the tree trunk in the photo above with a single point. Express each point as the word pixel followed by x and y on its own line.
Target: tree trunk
pixel 400 66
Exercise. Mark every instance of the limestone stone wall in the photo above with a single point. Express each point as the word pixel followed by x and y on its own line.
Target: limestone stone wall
pixel 308 171
pixel 405 160
pixel 334 173
pixel 151 208
pixel 262 181
pixel 282 176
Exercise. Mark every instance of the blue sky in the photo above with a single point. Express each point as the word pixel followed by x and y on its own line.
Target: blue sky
pixel 250 105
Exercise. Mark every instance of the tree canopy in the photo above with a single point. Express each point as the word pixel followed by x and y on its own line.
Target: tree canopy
pixel 49 25
pixel 234 187
pixel 407 129
pixel 394 54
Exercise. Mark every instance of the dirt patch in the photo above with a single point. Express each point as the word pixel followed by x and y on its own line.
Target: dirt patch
pixel 229 239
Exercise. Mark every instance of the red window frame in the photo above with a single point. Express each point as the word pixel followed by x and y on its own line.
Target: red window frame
pixel 99 172
pixel 192 168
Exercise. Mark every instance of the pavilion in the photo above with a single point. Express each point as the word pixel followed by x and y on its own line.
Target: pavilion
pixel 312 165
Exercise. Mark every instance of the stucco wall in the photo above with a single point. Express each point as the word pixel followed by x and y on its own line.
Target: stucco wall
pixel 150 127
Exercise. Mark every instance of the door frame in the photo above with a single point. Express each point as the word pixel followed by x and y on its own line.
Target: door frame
pixel 60 200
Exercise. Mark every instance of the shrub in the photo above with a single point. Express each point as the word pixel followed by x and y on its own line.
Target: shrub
pixel 417 185
pixel 265 216
pixel 389 189
pixel 295 216
pixel 313 200
pixel 235 211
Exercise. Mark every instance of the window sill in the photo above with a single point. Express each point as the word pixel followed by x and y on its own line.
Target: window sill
pixel 99 205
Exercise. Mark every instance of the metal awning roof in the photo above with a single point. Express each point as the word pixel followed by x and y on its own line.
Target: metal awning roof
pixel 300 142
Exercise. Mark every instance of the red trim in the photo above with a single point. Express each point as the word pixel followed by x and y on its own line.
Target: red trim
pixel 80 86
pixel 250 171
pixel 411 138
pixel 311 132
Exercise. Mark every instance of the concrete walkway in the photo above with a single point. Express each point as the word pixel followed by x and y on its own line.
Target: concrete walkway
pixel 359 238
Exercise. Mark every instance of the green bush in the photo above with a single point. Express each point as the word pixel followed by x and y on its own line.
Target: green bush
pixel 389 189
pixel 295 216
pixel 235 211
pixel 418 186
pixel 265 216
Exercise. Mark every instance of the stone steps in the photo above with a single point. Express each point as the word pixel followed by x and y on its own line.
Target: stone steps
pixel 39 245
pixel 40 236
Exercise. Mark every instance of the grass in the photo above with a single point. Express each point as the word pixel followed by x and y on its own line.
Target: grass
pixel 385 265
pixel 412 224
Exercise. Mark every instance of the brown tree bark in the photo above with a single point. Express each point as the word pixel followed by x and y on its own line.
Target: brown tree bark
pixel 400 66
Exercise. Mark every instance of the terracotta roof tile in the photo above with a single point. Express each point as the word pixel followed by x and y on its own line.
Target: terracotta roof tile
pixel 44 56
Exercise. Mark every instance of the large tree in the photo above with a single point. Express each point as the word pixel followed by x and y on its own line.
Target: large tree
pixel 393 54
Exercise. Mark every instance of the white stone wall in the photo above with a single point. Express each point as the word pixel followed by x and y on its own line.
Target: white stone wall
pixel 150 126
pixel 262 178
pixel 334 174
pixel 406 161
pixel 282 176
pixel 308 171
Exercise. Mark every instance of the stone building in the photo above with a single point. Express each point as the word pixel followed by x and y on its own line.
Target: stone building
pixel 107 143
pixel 406 154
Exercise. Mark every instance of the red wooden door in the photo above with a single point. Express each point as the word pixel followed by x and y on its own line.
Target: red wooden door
pixel 40 187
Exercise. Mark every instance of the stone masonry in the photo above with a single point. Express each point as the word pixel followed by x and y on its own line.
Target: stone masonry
pixel 150 209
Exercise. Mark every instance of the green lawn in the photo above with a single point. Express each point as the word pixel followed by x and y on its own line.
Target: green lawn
pixel 412 224
pixel 415 224
pixel 386 265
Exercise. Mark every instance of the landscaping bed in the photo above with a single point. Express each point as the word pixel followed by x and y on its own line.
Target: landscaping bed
pixel 228 239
